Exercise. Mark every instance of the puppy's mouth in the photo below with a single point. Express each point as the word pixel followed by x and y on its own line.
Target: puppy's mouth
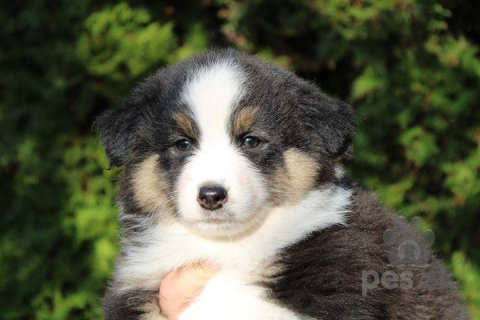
pixel 218 218
pixel 221 222
pixel 231 221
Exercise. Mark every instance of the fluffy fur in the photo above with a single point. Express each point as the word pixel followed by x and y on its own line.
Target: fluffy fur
pixel 293 237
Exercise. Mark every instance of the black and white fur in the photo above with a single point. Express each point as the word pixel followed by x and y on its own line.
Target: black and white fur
pixel 293 238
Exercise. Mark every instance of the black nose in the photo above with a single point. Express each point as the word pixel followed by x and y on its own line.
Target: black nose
pixel 212 198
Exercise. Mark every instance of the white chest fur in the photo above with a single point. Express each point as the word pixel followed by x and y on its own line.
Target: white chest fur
pixel 159 250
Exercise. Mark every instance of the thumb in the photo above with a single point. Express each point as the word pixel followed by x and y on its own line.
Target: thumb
pixel 180 287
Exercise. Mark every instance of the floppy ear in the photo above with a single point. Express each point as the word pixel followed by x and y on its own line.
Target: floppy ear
pixel 117 129
pixel 333 120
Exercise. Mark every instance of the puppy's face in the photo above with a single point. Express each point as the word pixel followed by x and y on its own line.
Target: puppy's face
pixel 217 141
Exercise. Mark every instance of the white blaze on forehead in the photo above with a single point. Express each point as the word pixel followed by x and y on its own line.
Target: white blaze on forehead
pixel 211 93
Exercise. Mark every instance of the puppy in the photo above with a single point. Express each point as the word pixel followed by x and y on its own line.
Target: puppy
pixel 231 160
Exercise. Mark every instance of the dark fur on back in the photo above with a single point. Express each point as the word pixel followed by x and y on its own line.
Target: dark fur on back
pixel 321 276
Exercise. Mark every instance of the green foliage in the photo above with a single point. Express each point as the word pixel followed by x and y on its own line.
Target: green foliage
pixel 469 277
pixel 410 68
pixel 110 45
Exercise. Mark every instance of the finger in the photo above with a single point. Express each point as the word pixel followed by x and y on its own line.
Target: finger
pixel 180 287
pixel 194 277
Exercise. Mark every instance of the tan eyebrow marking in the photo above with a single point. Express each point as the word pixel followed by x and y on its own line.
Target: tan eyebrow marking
pixel 243 120
pixel 186 124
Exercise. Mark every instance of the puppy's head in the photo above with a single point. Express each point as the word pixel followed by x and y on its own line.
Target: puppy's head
pixel 217 141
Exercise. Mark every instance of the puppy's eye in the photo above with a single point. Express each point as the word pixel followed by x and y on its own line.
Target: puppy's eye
pixel 184 145
pixel 250 142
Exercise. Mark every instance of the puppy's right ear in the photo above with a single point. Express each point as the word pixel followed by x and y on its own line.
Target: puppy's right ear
pixel 117 129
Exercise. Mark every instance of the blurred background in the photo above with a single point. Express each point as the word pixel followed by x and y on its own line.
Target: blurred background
pixel 410 68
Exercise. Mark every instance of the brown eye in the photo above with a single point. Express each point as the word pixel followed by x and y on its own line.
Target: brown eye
pixel 250 142
pixel 184 145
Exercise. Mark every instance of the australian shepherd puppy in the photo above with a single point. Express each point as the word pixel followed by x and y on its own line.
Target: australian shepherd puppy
pixel 231 160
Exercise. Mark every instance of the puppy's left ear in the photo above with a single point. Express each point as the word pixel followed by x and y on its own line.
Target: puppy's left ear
pixel 117 129
pixel 333 120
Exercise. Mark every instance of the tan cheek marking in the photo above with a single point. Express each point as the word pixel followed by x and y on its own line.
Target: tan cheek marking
pixel 244 120
pixel 296 178
pixel 151 186
pixel 186 124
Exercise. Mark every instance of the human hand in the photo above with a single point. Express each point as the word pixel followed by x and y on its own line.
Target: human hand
pixel 180 287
